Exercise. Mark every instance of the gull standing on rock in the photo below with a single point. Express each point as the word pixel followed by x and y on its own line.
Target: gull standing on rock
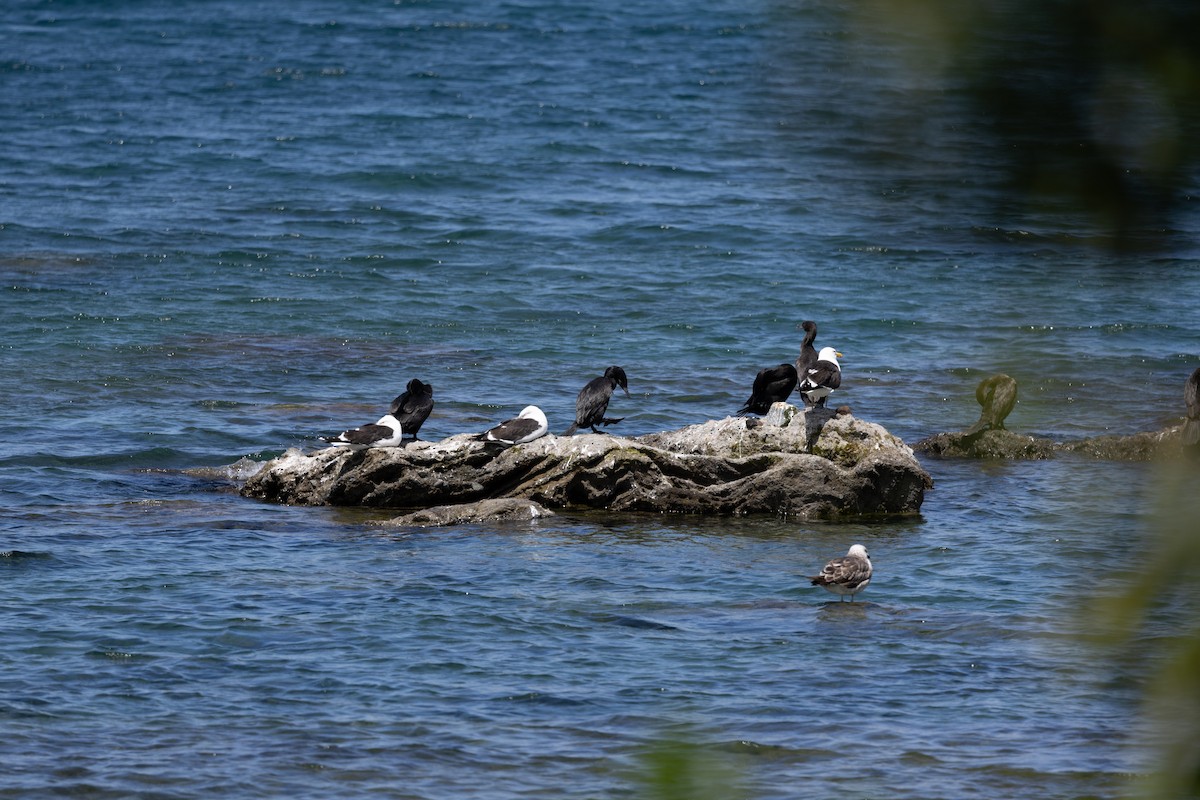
pixel 529 425
pixel 847 575
pixel 592 402
pixel 387 432
pixel 819 381
pixel 412 407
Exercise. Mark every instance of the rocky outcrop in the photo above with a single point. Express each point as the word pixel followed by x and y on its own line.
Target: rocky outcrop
pixel 1006 445
pixel 988 439
pixel 821 464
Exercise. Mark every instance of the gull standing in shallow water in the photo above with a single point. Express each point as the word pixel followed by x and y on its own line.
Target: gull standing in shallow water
pixel 592 402
pixel 847 575
pixel 387 432
pixel 529 425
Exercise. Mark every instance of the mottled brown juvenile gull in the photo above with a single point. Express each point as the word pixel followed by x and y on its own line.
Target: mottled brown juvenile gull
pixel 847 575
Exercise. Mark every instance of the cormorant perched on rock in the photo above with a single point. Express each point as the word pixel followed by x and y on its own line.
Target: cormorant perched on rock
pixel 821 378
pixel 771 385
pixel 1191 428
pixel 529 425
pixel 808 353
pixel 996 395
pixel 412 407
pixel 592 402
pixel 847 575
pixel 384 433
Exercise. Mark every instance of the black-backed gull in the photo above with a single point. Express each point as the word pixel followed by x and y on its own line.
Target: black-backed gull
pixel 529 425
pixel 387 432
pixel 821 378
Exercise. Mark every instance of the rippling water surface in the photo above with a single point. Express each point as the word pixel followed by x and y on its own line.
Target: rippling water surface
pixel 227 228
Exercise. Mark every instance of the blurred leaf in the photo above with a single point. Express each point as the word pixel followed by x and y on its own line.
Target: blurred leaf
pixel 1155 622
pixel 1093 104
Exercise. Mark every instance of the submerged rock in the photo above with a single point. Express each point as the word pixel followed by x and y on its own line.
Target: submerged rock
pixel 1006 445
pixel 821 464
pixel 504 509
pixel 987 444
pixel 1147 446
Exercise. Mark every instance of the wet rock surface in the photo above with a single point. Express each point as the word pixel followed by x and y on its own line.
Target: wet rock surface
pixel 504 509
pixel 1147 446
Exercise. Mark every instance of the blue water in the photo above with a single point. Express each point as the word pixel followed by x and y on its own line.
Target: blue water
pixel 227 228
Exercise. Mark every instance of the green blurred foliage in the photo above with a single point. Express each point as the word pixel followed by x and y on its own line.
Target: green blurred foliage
pixel 1094 103
pixel 1154 624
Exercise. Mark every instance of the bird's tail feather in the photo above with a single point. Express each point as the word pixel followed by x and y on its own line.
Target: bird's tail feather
pixel 978 428
pixel 571 430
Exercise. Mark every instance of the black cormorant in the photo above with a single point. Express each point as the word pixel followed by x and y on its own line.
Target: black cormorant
pixel 412 407
pixel 771 385
pixel 592 402
pixel 996 395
